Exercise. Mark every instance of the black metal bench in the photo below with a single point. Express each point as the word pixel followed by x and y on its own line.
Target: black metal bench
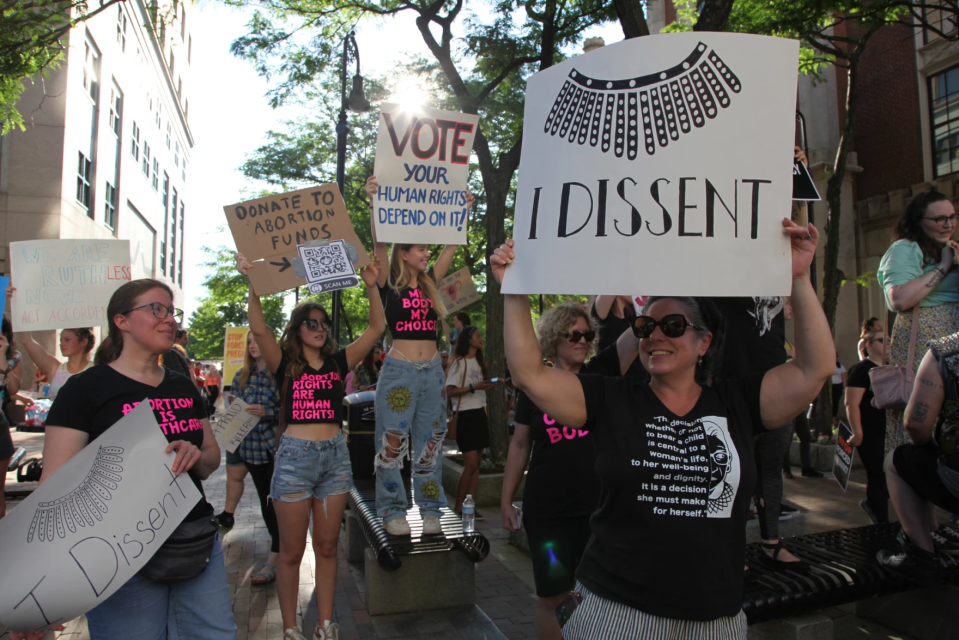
pixel 844 570
pixel 389 549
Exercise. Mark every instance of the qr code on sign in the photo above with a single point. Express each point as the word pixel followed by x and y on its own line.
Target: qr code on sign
pixel 323 263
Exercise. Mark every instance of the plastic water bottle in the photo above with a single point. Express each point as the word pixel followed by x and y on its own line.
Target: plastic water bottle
pixel 469 515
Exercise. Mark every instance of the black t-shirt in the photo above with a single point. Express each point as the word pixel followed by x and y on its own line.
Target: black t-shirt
pixel 669 536
pixel 873 419
pixel 610 329
pixel 314 396
pixel 561 481
pixel 409 312
pixel 173 360
pixel 755 336
pixel 92 401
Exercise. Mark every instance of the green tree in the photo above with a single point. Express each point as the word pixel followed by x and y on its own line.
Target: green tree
pixel 30 44
pixel 225 306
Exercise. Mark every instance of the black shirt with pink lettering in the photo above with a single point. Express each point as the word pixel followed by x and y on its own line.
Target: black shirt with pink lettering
pixel 409 312
pixel 561 481
pixel 314 396
pixel 94 400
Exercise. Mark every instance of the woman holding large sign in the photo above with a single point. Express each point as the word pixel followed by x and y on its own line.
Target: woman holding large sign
pixel 918 276
pixel 185 580
pixel 674 457
pixel 410 400
pixel 312 473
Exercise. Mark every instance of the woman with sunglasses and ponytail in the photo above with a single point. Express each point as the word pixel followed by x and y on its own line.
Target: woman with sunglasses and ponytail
pixel 163 599
pixel 312 474
pixel 674 457
pixel 562 488
pixel 410 394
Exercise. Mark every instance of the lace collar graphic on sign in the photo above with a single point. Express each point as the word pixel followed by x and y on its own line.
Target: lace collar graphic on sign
pixel 672 101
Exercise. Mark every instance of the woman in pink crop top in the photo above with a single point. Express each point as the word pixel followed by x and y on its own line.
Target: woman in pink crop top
pixel 410 392
pixel 312 466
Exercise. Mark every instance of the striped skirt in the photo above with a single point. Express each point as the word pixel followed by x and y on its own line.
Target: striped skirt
pixel 598 618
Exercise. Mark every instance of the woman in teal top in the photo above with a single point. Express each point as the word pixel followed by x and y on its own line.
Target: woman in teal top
pixel 918 269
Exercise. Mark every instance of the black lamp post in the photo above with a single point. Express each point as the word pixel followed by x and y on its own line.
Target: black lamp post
pixel 357 103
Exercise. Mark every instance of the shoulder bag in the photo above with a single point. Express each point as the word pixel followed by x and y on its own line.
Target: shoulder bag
pixel 892 383
pixel 451 421
pixel 185 554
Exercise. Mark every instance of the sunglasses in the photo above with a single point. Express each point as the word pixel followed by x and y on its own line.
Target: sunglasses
pixel 673 326
pixel 576 336
pixel 315 325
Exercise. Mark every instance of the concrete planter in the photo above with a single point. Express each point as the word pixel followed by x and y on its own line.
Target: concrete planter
pixel 822 456
pixel 488 489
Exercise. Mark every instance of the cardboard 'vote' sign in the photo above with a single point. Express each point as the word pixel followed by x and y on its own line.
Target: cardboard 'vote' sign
pixel 92 526
pixel 268 230
pixel 65 284
pixel 422 165
pixel 661 164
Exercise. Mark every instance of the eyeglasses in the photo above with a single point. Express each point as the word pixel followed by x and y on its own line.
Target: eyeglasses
pixel 941 220
pixel 315 325
pixel 576 336
pixel 161 311
pixel 673 326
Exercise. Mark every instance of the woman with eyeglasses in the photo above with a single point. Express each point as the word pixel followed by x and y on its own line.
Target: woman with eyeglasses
pixel 142 326
pixel 918 269
pixel 410 392
pixel 313 474
pixel 869 427
pixel 674 457
pixel 562 488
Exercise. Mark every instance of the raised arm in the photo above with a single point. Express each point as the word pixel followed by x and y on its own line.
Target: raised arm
pixel 627 348
pixel 445 259
pixel 789 388
pixel 380 250
pixel 925 401
pixel 602 305
pixel 46 362
pixel 265 339
pixel 356 351
pixel 555 391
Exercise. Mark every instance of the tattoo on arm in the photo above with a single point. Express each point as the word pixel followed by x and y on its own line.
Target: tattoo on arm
pixel 920 411
pixel 937 276
pixel 929 383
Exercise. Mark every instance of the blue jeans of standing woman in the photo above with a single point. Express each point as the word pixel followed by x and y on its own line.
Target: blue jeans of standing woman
pixel 410 421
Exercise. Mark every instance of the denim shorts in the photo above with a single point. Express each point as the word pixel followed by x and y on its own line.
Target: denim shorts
pixel 311 469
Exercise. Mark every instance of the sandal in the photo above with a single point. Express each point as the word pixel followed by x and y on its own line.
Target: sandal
pixel 774 563
pixel 267 573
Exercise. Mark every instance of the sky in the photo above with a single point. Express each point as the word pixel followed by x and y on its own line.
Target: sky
pixel 230 116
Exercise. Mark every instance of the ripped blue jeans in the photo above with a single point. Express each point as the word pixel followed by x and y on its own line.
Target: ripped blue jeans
pixel 410 421
pixel 311 469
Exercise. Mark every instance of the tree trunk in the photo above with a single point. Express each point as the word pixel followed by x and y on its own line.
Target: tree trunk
pixel 832 276
pixel 713 15
pixel 631 18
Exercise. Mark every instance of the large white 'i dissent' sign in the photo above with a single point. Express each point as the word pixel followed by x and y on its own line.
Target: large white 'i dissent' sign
pixel 661 164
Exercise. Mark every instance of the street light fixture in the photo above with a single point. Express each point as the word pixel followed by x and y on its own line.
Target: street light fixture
pixel 357 103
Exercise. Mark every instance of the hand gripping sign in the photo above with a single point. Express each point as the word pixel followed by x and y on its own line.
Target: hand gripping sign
pixel 92 526
pixel 422 166
pixel 661 163
pixel 269 230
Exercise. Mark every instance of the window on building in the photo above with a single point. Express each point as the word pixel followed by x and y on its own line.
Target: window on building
pixel 182 215
pixel 84 174
pixel 91 70
pixel 135 142
pixel 944 105
pixel 183 170
pixel 173 247
pixel 145 166
pixel 166 222
pixel 156 174
pixel 159 113
pixel 176 153
pixel 179 87
pixel 121 28
pixel 183 23
pixel 169 131
pixel 172 62
pixel 189 49
pixel 116 105
pixel 110 206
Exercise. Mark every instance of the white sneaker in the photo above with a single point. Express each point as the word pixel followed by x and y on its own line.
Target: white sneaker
pixel 293 634
pixel 431 524
pixel 329 631
pixel 398 527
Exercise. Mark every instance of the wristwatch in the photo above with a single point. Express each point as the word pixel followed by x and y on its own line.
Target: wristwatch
pixel 472 390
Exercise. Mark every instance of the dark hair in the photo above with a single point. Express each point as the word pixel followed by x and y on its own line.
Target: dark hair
pixel 290 341
pixel 85 335
pixel 368 363
pixel 909 226
pixel 180 333
pixel 462 348
pixel 121 302
pixel 867 326
pixel 702 312
pixel 7 330
pixel 463 317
